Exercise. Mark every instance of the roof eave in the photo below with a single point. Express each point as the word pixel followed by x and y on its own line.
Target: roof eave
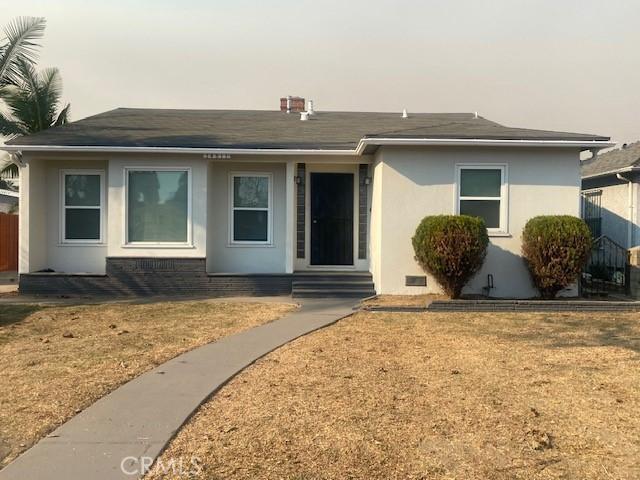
pixel 359 150
pixel 611 172
pixel 582 144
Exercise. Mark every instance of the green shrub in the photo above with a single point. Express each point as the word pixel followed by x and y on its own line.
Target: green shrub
pixel 452 248
pixel 555 248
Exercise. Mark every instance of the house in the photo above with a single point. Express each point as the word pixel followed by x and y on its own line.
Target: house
pixel 610 194
pixel 8 198
pixel 223 202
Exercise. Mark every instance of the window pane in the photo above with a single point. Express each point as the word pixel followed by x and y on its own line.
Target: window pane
pixel 487 209
pixel 82 224
pixel 250 225
pixel 82 190
pixel 480 183
pixel 158 206
pixel 252 192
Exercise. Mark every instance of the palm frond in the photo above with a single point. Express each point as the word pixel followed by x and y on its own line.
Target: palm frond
pixel 10 170
pixel 10 127
pixel 20 45
pixel 63 117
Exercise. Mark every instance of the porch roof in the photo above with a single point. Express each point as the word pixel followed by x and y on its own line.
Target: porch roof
pixel 262 129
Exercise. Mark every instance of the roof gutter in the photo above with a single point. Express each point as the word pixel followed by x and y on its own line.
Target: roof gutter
pixel 612 172
pixel 359 150
pixel 583 144
pixel 204 151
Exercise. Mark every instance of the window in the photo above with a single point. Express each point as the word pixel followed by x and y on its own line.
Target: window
pixel 158 206
pixel 250 208
pixel 82 200
pixel 482 192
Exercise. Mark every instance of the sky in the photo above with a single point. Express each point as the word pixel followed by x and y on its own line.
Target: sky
pixel 570 65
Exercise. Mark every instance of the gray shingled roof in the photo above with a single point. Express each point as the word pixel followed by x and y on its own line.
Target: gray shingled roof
pixel 613 160
pixel 136 127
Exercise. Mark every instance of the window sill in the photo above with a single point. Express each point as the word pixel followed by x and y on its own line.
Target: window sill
pixel 499 234
pixel 250 245
pixel 82 244
pixel 158 245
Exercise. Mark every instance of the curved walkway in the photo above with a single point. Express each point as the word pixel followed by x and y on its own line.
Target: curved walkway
pixel 137 420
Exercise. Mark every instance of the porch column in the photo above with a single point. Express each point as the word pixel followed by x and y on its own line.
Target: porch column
pixel 290 212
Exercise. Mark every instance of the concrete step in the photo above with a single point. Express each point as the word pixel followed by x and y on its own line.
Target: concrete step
pixel 332 293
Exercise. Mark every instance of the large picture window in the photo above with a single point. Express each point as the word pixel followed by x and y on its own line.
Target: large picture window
pixel 82 194
pixel 158 206
pixel 250 208
pixel 482 193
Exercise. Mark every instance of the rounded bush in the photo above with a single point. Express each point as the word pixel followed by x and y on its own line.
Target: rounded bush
pixel 555 248
pixel 452 248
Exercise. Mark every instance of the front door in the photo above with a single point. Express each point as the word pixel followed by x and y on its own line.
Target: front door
pixel 331 219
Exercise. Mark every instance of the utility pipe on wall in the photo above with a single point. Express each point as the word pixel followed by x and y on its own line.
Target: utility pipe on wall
pixel 630 207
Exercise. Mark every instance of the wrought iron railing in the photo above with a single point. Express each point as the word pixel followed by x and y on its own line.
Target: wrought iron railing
pixel 607 270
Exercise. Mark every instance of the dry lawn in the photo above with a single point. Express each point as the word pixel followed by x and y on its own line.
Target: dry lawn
pixel 402 300
pixel 432 396
pixel 58 360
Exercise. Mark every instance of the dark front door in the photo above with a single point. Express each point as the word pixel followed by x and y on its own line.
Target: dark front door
pixel 331 219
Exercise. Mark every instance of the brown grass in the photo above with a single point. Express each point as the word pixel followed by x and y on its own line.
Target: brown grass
pixel 403 300
pixel 432 396
pixel 46 378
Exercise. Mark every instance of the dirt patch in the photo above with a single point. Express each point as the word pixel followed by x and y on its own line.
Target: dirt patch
pixel 432 396
pixel 58 360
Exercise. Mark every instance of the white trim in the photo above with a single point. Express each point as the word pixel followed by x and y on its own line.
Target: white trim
pixel 62 224
pixel 503 229
pixel 611 172
pixel 359 150
pixel 251 243
pixel 202 151
pixel 125 231
pixel 586 144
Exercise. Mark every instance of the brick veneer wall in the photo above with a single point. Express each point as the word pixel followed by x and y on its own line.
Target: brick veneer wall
pixel 156 276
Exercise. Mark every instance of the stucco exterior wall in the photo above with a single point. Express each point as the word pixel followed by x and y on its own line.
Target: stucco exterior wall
pixel 116 220
pixel 411 183
pixel 68 258
pixel 222 257
pixel 614 202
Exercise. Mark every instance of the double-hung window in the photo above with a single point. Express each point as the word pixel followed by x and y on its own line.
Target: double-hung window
pixel 158 206
pixel 82 198
pixel 482 192
pixel 250 208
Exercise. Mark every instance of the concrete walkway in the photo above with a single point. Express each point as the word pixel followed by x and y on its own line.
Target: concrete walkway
pixel 138 419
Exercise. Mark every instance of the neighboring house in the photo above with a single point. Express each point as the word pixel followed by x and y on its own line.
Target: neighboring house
pixel 610 194
pixel 224 202
pixel 8 198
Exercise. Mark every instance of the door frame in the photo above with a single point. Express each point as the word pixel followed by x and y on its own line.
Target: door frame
pixel 335 168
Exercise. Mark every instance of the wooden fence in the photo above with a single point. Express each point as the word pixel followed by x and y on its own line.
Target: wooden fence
pixel 8 242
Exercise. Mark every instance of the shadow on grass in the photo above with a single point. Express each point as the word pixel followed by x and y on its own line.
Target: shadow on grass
pixel 564 331
pixel 10 314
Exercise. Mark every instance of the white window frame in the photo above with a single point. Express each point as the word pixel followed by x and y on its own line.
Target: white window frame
pixel 269 210
pixel 189 242
pixel 503 229
pixel 63 207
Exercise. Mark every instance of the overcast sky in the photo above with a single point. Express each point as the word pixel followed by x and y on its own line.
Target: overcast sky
pixel 569 65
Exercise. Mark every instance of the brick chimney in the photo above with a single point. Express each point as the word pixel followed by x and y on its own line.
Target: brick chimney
pixel 291 104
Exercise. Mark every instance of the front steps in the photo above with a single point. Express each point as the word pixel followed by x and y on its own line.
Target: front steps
pixel 332 284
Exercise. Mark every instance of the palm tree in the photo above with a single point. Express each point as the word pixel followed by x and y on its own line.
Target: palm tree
pixel 33 105
pixel 32 99
pixel 19 46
